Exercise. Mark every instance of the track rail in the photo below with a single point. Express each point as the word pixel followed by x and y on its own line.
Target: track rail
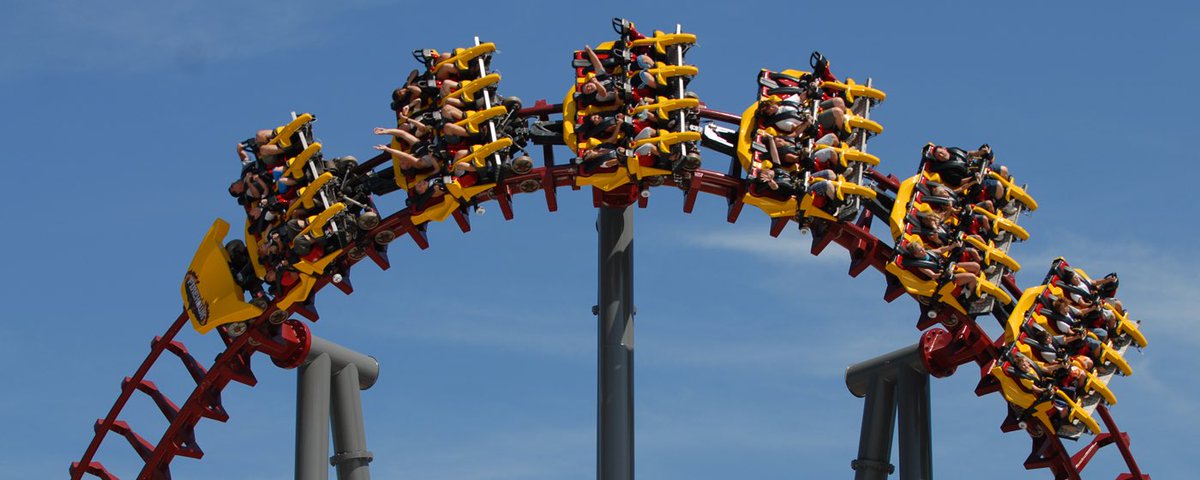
pixel 962 341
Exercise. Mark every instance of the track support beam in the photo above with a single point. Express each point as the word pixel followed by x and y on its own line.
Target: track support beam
pixel 615 310
pixel 891 382
pixel 332 377
pixel 312 419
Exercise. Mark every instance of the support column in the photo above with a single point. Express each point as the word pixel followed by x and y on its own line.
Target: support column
pixel 312 419
pixel 351 457
pixel 916 444
pixel 900 373
pixel 614 410
pixel 878 426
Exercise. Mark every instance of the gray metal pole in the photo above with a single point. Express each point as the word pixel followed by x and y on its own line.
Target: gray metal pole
pixel 368 367
pixel 860 375
pixel 614 412
pixel 312 419
pixel 878 425
pixel 916 443
pixel 351 458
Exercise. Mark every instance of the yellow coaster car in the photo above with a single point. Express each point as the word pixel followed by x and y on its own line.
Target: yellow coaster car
pixel 1018 389
pixel 210 295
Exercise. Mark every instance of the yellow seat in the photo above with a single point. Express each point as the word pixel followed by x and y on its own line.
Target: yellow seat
pixel 210 294
pixel 1012 327
pixel 904 195
pixel 318 267
pixel 746 133
pixel 299 291
pixel 639 171
pixel 437 213
pixel 570 113
pixel 251 242
pixel 773 207
pixel 605 181
pixel 920 287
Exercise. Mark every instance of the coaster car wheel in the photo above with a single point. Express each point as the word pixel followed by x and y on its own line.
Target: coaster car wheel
pixel 529 185
pixel 278 317
pixel 522 165
pixel 385 237
pixel 236 329
pixel 368 220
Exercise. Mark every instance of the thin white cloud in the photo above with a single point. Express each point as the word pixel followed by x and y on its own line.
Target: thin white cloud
pixel 533 453
pixel 1157 287
pixel 524 332
pixel 133 36
pixel 789 246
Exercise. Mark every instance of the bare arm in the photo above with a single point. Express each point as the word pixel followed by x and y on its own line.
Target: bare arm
pixel 597 66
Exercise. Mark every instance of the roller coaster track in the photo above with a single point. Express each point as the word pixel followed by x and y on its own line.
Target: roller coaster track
pixel 962 341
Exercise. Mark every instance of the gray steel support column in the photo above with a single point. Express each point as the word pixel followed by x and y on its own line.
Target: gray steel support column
pixel 368 367
pixel 351 458
pixel 312 419
pixel 878 425
pixel 614 410
pixel 916 444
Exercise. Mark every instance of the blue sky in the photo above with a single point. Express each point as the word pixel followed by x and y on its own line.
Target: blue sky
pixel 121 122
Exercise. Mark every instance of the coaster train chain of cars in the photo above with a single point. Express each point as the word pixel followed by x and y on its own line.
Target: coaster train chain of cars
pixel 798 153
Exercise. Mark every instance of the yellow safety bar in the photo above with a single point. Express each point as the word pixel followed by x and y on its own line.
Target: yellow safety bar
pixel 475 119
pixel 462 56
pixel 992 254
pixel 283 135
pixel 296 165
pixel 661 41
pixel 665 106
pixel 468 88
pixel 848 154
pixel 1014 191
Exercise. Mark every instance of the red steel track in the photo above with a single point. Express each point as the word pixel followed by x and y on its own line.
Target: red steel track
pixel 962 341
